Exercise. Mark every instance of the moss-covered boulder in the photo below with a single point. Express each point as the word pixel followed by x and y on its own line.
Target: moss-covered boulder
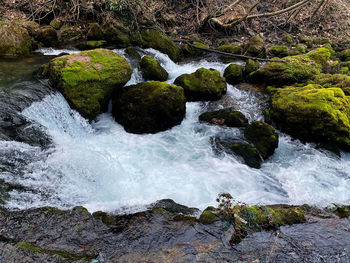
pixel 91 44
pixel 95 32
pixel 70 33
pixel 313 113
pixel 56 24
pixel 228 117
pixel 116 36
pixel 294 69
pixel 263 136
pixel 299 49
pixel 47 36
pixel 202 85
pixel 87 79
pixel 155 39
pixel 287 38
pixel 187 49
pixel 251 66
pixel 249 154
pixel 332 81
pixel 234 48
pixel 234 74
pixel 278 51
pixel 152 70
pixel 149 107
pixel 345 55
pixel 307 41
pixel 14 39
pixel 255 47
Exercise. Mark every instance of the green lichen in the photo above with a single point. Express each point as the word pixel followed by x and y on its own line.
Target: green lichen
pixel 92 44
pixel 155 39
pixel 47 36
pixel 88 79
pixel 234 74
pixel 70 33
pixel 204 84
pixel 152 70
pixel 278 51
pixel 132 52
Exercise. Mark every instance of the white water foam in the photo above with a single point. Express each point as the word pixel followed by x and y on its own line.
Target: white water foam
pixel 102 167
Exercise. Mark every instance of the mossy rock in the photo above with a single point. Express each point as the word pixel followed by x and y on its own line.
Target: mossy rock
pixel 104 217
pixel 152 70
pixel 295 69
pixel 91 44
pixel 31 26
pixel 299 49
pixel 332 81
pixel 202 85
pixel 194 51
pixel 251 66
pixel 95 32
pixel 255 47
pixel 249 154
pixel 56 24
pixel 155 39
pixel 47 35
pixel 234 74
pixel 234 48
pixel 116 36
pixel 87 79
pixel 313 113
pixel 228 117
pixel 14 39
pixel 132 52
pixel 307 41
pixel 149 107
pixel 278 51
pixel 208 217
pixel 263 136
pixel 287 38
pixel 70 33
pixel 345 55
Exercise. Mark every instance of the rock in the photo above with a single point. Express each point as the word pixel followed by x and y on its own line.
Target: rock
pixel 295 69
pixel 156 40
pixel 234 48
pixel 149 107
pixel 263 136
pixel 14 39
pixel 116 36
pixel 332 81
pixel 193 51
pixel 278 51
pixel 95 32
pixel 313 113
pixel 234 74
pixel 87 79
pixel 70 33
pixel 255 47
pixel 208 217
pixel 152 70
pixel 56 24
pixel 249 154
pixel 228 117
pixel 47 36
pixel 345 55
pixel 92 44
pixel 132 52
pixel 202 85
pixel 298 50
pixel 287 38
pixel 307 41
pixel 251 66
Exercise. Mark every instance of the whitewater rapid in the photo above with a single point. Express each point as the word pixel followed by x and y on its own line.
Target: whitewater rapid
pixel 102 167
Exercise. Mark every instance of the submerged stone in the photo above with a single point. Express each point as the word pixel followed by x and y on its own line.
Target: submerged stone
pixel 202 85
pixel 152 70
pixel 149 107
pixel 87 79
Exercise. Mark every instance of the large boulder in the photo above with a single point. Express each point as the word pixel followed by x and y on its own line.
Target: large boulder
pixel 293 69
pixel 155 39
pixel 14 39
pixel 313 113
pixel 227 117
pixel 87 79
pixel 263 136
pixel 47 36
pixel 149 107
pixel 152 70
pixel 234 74
pixel 202 85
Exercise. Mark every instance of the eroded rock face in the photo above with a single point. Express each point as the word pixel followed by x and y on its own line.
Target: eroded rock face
pixel 14 39
pixel 88 79
pixel 202 85
pixel 149 107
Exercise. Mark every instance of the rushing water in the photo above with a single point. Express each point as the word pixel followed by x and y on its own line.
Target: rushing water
pixel 102 167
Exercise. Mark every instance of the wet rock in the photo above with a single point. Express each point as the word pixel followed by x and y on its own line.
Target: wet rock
pixel 227 117
pixel 251 66
pixel 14 39
pixel 88 79
pixel 202 85
pixel 250 154
pixel 149 107
pixel 152 70
pixel 234 74
pixel 263 136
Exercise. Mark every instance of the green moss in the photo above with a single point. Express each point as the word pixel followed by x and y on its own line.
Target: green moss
pixel 27 246
pixel 298 50
pixel 307 41
pixel 278 51
pixel 92 44
pixel 332 81
pixel 208 217
pixel 149 107
pixel 345 55
pixel 287 38
pixel 234 74
pixel 204 84
pixel 249 154
pixel 155 39
pixel 227 117
pixel 263 136
pixel 152 70
pixel 81 210
pixel 14 39
pixel 94 32
pixel 193 51
pixel 56 24
pixel 231 48
pixel 313 113
pixel 251 66
pixel 255 47
pixel 320 55
pixel 104 217
pixel 88 79
pixel 70 33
